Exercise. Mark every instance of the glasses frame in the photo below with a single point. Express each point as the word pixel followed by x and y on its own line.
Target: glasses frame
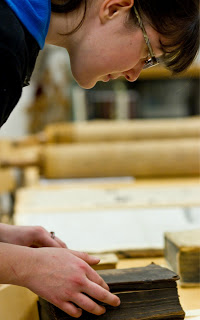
pixel 153 61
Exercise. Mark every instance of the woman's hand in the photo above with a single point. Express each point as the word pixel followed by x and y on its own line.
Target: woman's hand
pixel 65 278
pixel 61 276
pixel 28 236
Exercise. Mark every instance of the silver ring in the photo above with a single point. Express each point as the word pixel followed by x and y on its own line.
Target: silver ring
pixel 52 233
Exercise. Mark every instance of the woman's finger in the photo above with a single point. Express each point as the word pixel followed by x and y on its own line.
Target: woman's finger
pixel 71 309
pixel 88 304
pixel 91 260
pixel 93 276
pixel 97 292
pixel 46 241
pixel 60 242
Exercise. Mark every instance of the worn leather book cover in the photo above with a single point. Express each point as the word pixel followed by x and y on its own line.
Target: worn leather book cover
pixel 146 293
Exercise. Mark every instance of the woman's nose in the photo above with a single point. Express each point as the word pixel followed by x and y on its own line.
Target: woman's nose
pixel 132 74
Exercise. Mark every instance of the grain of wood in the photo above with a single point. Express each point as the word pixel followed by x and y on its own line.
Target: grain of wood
pixel 166 158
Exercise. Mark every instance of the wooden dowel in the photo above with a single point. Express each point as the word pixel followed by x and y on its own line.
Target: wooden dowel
pixel 104 131
pixel 178 157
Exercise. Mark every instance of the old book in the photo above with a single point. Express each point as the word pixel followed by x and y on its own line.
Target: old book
pixel 146 293
pixel 182 252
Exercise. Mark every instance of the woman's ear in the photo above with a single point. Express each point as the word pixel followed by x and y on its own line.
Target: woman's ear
pixel 111 8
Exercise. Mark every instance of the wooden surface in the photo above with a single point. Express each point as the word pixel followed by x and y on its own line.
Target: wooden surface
pixel 17 303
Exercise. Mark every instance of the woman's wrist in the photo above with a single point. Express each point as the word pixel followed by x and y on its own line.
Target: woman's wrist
pixel 16 273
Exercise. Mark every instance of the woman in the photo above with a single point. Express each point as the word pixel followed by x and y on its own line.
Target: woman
pixel 105 39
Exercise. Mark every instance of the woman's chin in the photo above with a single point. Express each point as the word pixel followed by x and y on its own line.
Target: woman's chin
pixel 85 83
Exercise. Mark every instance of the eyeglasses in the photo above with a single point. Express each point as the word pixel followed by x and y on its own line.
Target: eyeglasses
pixel 152 61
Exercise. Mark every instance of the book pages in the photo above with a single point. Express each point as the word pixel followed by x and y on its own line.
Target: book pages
pixel 88 197
pixel 113 230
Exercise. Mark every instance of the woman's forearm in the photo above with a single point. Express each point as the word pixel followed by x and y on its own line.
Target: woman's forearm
pixel 15 264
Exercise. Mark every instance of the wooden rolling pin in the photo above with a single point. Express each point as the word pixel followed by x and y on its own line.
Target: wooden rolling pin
pixel 21 157
pixel 12 155
pixel 159 158
pixel 105 131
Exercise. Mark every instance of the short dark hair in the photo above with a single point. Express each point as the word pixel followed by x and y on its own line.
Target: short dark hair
pixel 176 20
pixel 65 6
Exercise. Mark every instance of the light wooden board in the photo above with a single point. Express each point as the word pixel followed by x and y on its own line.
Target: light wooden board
pixel 17 303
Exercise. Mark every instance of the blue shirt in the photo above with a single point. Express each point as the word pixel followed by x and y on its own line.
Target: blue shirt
pixel 35 16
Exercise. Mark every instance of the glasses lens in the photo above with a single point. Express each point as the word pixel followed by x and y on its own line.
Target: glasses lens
pixel 150 63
